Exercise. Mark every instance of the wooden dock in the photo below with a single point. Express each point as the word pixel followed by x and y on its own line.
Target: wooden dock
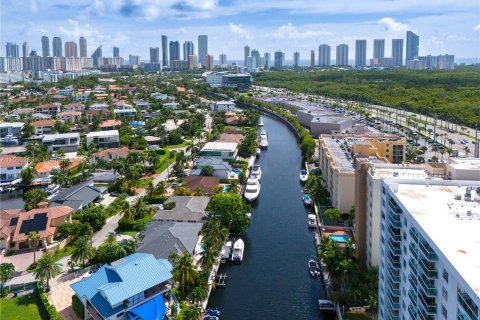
pixel 220 280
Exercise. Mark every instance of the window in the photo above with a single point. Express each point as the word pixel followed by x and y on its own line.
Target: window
pixel 444 312
pixel 445 275
pixel 445 293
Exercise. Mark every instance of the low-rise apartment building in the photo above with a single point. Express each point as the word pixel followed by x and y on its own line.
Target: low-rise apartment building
pixel 222 106
pixel 68 142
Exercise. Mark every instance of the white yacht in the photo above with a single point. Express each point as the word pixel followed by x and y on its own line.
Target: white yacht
pixel 312 221
pixel 238 248
pixel 252 190
pixel 226 252
pixel 303 175
pixel 264 143
pixel 260 122
pixel 257 152
pixel 256 172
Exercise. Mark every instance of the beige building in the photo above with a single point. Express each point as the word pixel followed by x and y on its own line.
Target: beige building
pixel 337 154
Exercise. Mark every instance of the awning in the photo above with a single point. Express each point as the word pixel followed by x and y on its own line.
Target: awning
pixel 153 309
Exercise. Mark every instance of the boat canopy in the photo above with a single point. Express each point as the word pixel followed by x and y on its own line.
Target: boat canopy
pixel 153 309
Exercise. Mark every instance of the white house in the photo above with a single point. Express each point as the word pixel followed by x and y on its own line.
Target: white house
pixel 11 128
pixel 160 96
pixel 104 139
pixel 171 105
pixel 142 105
pixel 222 106
pixel 99 106
pixel 223 150
pixel 68 142
pixel 11 168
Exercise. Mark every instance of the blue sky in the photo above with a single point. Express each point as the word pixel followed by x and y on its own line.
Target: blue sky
pixel 444 26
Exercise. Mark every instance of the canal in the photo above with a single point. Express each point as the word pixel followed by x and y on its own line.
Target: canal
pixel 273 280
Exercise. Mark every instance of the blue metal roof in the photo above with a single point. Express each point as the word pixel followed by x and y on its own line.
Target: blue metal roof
pixel 115 283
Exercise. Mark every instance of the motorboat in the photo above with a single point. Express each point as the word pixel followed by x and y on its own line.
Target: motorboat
pixel 312 221
pixel 313 268
pixel 226 252
pixel 9 139
pixel 260 122
pixel 303 175
pixel 264 143
pixel 257 152
pixel 53 188
pixel 252 190
pixel 238 248
pixel 213 312
pixel 256 172
pixel 307 199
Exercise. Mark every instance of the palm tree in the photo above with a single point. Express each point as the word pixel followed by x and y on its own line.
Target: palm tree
pixel 59 177
pixel 192 313
pixel 467 151
pixel 184 271
pixel 64 164
pixel 154 160
pixel 71 265
pixel 199 294
pixel 32 238
pixel 83 249
pixel 47 268
pixel 28 175
pixel 161 188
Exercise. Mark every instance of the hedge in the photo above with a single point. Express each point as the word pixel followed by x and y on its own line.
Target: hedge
pixel 78 307
pixel 155 199
pixel 51 311
pixel 116 206
pixel 135 225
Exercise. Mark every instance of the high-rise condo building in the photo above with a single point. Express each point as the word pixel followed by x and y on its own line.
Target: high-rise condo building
pixel 266 58
pixel 164 51
pixel 209 62
pixel 83 47
pixel 412 45
pixel 45 47
pixel 202 49
pixel 296 59
pixel 324 52
pixel 133 60
pixel 154 55
pixel 12 50
pixel 188 49
pixel 429 249
pixel 254 60
pixel 71 49
pixel 174 50
pixel 223 60
pixel 312 58
pixel 246 54
pixel 360 53
pixel 97 57
pixel 279 59
pixel 342 55
pixel 192 61
pixel 116 52
pixel 57 47
pixel 397 52
pixel 378 48
pixel 25 49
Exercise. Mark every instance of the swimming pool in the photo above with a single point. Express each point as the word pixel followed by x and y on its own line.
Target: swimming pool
pixel 339 237
pixel 227 188
pixel 236 171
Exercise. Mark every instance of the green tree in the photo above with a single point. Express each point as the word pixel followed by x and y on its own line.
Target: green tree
pixel 184 272
pixel 230 210
pixel 33 197
pixel 95 216
pixel 7 270
pixel 47 268
pixel 82 249
pixel 207 171
pixel 334 214
pixel 308 147
pixel 199 294
pixel 32 238
pixel 28 174
pixel 192 313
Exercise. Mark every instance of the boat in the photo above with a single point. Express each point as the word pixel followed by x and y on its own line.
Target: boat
pixel 260 122
pixel 257 152
pixel 303 175
pixel 226 252
pixel 307 199
pixel 256 172
pixel 9 139
pixel 213 312
pixel 252 190
pixel 312 221
pixel 238 248
pixel 264 143
pixel 313 268
pixel 53 188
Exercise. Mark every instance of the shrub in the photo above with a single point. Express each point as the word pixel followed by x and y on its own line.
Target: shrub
pixel 169 205
pixel 135 225
pixel 78 307
pixel 156 199
pixel 52 312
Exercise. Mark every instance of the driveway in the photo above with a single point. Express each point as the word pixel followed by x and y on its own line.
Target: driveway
pixel 21 260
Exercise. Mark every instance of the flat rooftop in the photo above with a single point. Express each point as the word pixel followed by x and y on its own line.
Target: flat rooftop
pixel 465 163
pixel 230 146
pixel 446 220
pixel 341 151
pixel 399 171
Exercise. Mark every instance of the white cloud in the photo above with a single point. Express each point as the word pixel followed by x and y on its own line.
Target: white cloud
pixel 390 24
pixel 434 41
pixel 476 28
pixel 238 30
pixel 289 31
pixel 457 37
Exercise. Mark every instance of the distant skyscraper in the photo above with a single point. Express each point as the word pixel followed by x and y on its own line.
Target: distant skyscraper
pixel 192 61
pixel 164 51
pixel 312 58
pixel 174 51
pixel 154 55
pixel 378 48
pixel 266 58
pixel 188 49
pixel 83 47
pixel 360 53
pixel 254 60
pixel 412 45
pixel 57 47
pixel 97 57
pixel 209 62
pixel 324 55
pixel 116 52
pixel 397 52
pixel 342 55
pixel 223 60
pixel 279 59
pixel 45 47
pixel 25 49
pixel 133 60
pixel 246 54
pixel 296 59
pixel 11 50
pixel 202 49
pixel 71 49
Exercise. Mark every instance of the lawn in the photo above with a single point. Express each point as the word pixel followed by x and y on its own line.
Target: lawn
pixel 177 146
pixel 129 233
pixel 143 183
pixel 19 308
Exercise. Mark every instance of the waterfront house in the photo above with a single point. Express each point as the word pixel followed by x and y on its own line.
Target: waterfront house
pixel 204 184
pixel 137 286
pixel 11 168
pixel 78 197
pixel 187 209
pixel 15 225
pixel 222 150
pixel 45 169
pixel 222 106
pixel 68 142
pixel 104 139
pixel 221 169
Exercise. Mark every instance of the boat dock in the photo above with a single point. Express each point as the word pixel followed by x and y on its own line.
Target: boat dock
pixel 220 280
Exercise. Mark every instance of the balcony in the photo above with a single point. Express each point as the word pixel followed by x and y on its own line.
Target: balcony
pixel 427 251
pixel 394 314
pixel 394 207
pixel 413 297
pixel 428 286
pixel 394 248
pixel 93 312
pixel 394 289
pixel 394 260
pixel 413 234
pixel 413 281
pixel 394 221
pixel 394 275
pixel 394 234
pixel 413 250
pixel 428 269
pixel 161 288
pixel 428 304
pixel 413 266
pixel 412 311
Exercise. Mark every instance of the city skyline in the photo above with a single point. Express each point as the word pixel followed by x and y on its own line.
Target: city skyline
pixel 231 25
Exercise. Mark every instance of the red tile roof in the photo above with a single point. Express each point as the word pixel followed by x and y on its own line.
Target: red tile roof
pixel 206 184
pixel 44 123
pixel 12 161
